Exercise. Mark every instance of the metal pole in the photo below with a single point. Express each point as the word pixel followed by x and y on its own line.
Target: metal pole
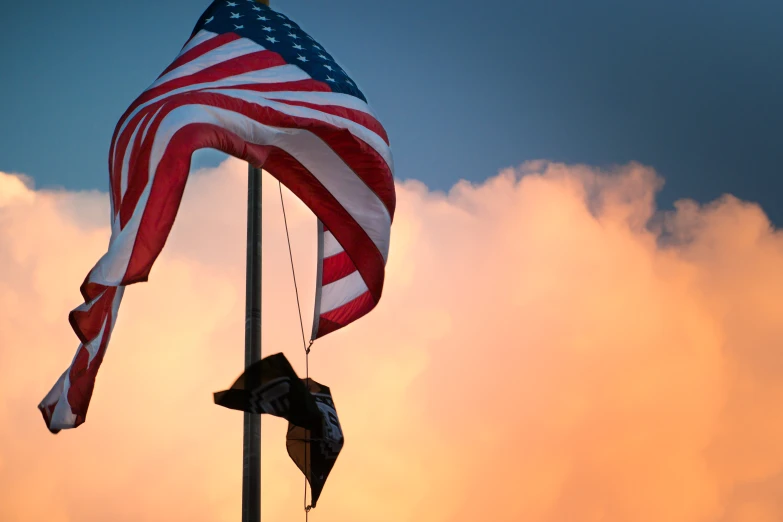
pixel 251 466
pixel 251 443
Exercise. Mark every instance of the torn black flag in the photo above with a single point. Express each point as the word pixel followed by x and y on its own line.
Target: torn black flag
pixel 315 451
pixel 271 386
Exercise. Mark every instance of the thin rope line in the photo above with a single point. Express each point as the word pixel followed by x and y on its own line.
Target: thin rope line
pixel 306 346
pixel 293 272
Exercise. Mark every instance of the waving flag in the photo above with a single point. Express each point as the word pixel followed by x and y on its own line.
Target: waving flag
pixel 271 386
pixel 249 82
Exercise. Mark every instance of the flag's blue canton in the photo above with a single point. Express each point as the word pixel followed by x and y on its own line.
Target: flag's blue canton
pixel 276 32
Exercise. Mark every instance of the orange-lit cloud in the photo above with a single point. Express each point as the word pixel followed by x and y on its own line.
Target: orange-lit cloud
pixel 548 348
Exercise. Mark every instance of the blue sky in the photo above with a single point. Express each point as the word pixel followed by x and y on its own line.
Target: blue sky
pixel 464 88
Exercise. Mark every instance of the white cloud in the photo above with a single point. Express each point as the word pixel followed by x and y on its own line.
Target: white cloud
pixel 539 354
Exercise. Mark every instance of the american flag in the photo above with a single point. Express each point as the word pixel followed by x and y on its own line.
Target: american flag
pixel 251 83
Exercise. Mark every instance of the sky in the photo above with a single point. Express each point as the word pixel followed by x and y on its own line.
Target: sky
pixel 581 315
pixel 463 88
pixel 538 354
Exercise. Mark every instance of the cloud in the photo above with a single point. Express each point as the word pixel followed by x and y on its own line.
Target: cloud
pixel 549 348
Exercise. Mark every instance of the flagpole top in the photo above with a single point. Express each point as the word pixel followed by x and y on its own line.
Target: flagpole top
pixel 265 2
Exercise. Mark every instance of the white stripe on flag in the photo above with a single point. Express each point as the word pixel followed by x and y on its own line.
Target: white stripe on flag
pixel 126 159
pixel 282 73
pixel 124 174
pixel 94 344
pixel 225 52
pixel 331 246
pixel 324 98
pixel 341 292
pixel 360 131
pixel 317 157
pixel 199 38
pixel 110 269
pixel 62 416
pixel 144 136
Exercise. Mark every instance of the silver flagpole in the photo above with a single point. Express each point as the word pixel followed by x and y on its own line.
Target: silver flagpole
pixel 251 444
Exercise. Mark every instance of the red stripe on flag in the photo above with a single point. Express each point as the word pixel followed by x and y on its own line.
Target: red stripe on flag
pixel 87 324
pixel 364 160
pixel 121 146
pixel 232 67
pixel 166 194
pixel 200 50
pixel 363 252
pixel 90 290
pixel 336 267
pixel 257 61
pixel 141 122
pixel 360 157
pixel 356 116
pixel 138 178
pixel 342 316
pixel 308 85
pixel 83 371
pixel 134 155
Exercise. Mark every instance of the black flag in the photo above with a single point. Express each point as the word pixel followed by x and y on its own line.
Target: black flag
pixel 315 451
pixel 271 386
